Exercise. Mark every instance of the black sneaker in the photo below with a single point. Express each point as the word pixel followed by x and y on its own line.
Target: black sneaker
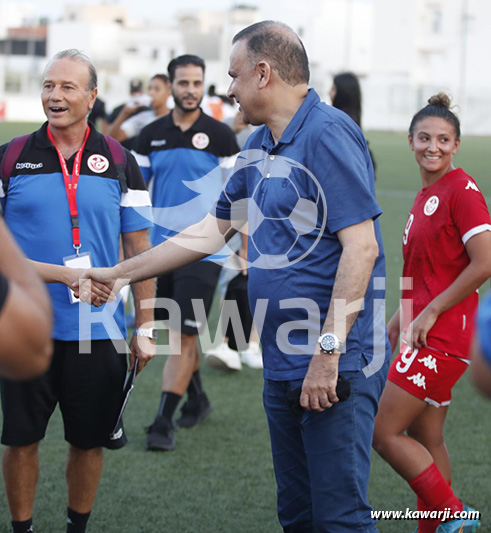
pixel 161 435
pixel 194 410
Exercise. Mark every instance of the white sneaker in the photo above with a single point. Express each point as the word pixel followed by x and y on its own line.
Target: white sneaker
pixel 253 356
pixel 223 358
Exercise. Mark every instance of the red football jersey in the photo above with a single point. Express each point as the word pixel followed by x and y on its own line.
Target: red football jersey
pixel 443 218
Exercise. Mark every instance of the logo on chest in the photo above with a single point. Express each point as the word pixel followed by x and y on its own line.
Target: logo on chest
pixel 200 141
pixel 98 163
pixel 431 205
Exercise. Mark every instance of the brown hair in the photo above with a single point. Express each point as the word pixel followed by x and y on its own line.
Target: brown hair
pixel 438 106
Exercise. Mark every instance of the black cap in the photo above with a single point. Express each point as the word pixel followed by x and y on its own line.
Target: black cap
pixel 136 86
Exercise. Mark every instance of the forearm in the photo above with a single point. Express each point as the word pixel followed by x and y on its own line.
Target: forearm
pixel 466 284
pixel 196 242
pixel 51 273
pixel 114 130
pixel 350 286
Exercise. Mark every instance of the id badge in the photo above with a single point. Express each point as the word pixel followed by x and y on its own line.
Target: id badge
pixel 77 261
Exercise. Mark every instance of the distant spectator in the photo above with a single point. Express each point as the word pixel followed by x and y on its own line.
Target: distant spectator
pixel 137 98
pixel 345 95
pixel 128 124
pixel 98 115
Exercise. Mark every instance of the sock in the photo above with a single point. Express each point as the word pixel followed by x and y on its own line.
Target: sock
pixel 429 525
pixel 22 527
pixel 168 404
pixel 195 387
pixel 434 491
pixel 76 522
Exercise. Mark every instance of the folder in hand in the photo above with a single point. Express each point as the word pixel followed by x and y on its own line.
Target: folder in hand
pixel 129 383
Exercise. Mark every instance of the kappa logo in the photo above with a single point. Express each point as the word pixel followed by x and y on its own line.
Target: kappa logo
pixel 200 140
pixel 429 362
pixel 418 379
pixel 431 205
pixel 471 186
pixel 98 163
pixel 30 166
pixel 161 142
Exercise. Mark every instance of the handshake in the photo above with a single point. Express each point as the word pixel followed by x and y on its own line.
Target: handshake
pixel 96 286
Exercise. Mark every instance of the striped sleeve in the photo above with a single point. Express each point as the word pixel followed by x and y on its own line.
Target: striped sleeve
pixel 136 207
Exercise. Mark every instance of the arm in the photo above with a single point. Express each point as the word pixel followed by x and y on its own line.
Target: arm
pixel 194 243
pixel 243 249
pixel 360 250
pixel 143 349
pixel 51 273
pixel 114 129
pixel 470 279
pixel 25 320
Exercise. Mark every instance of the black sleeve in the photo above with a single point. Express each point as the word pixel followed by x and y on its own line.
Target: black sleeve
pixel 134 176
pixel 142 140
pixel 4 290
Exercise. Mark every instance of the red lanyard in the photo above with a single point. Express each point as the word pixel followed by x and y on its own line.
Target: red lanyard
pixel 71 185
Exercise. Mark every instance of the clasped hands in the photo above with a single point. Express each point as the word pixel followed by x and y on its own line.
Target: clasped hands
pixel 97 286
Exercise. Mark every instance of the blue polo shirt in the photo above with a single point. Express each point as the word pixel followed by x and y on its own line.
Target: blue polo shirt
pixel 184 172
pixel 317 180
pixel 484 328
pixel 37 213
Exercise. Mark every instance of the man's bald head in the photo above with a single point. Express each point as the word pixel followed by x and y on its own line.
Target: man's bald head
pixel 280 46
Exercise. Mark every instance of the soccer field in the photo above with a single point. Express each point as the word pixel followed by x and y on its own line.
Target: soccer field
pixel 220 477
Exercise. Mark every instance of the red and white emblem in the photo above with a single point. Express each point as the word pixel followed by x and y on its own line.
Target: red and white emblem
pixel 98 163
pixel 200 140
pixel 431 205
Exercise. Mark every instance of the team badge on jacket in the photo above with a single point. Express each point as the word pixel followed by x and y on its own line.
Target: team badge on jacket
pixel 200 141
pixel 98 163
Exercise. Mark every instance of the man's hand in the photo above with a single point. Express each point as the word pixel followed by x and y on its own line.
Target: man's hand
pixel 143 349
pixel 96 293
pixel 319 385
pixel 104 278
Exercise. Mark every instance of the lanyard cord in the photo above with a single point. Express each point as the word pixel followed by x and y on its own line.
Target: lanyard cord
pixel 71 185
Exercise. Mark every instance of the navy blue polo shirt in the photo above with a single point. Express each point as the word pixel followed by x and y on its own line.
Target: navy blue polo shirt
pixel 37 213
pixel 183 170
pixel 317 180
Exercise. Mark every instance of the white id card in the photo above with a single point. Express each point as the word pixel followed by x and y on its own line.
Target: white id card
pixel 77 261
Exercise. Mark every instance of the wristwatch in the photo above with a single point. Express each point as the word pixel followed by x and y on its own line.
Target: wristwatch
pixel 329 343
pixel 151 333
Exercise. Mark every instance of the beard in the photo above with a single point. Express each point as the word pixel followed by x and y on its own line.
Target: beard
pixel 182 107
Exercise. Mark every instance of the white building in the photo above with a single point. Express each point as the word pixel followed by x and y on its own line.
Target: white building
pixel 403 51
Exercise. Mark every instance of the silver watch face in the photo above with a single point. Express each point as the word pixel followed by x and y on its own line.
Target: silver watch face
pixel 329 342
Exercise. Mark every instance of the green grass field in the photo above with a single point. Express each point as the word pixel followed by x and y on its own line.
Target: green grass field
pixel 220 477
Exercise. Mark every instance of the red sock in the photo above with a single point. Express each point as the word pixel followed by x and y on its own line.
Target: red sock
pixel 434 491
pixel 428 525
